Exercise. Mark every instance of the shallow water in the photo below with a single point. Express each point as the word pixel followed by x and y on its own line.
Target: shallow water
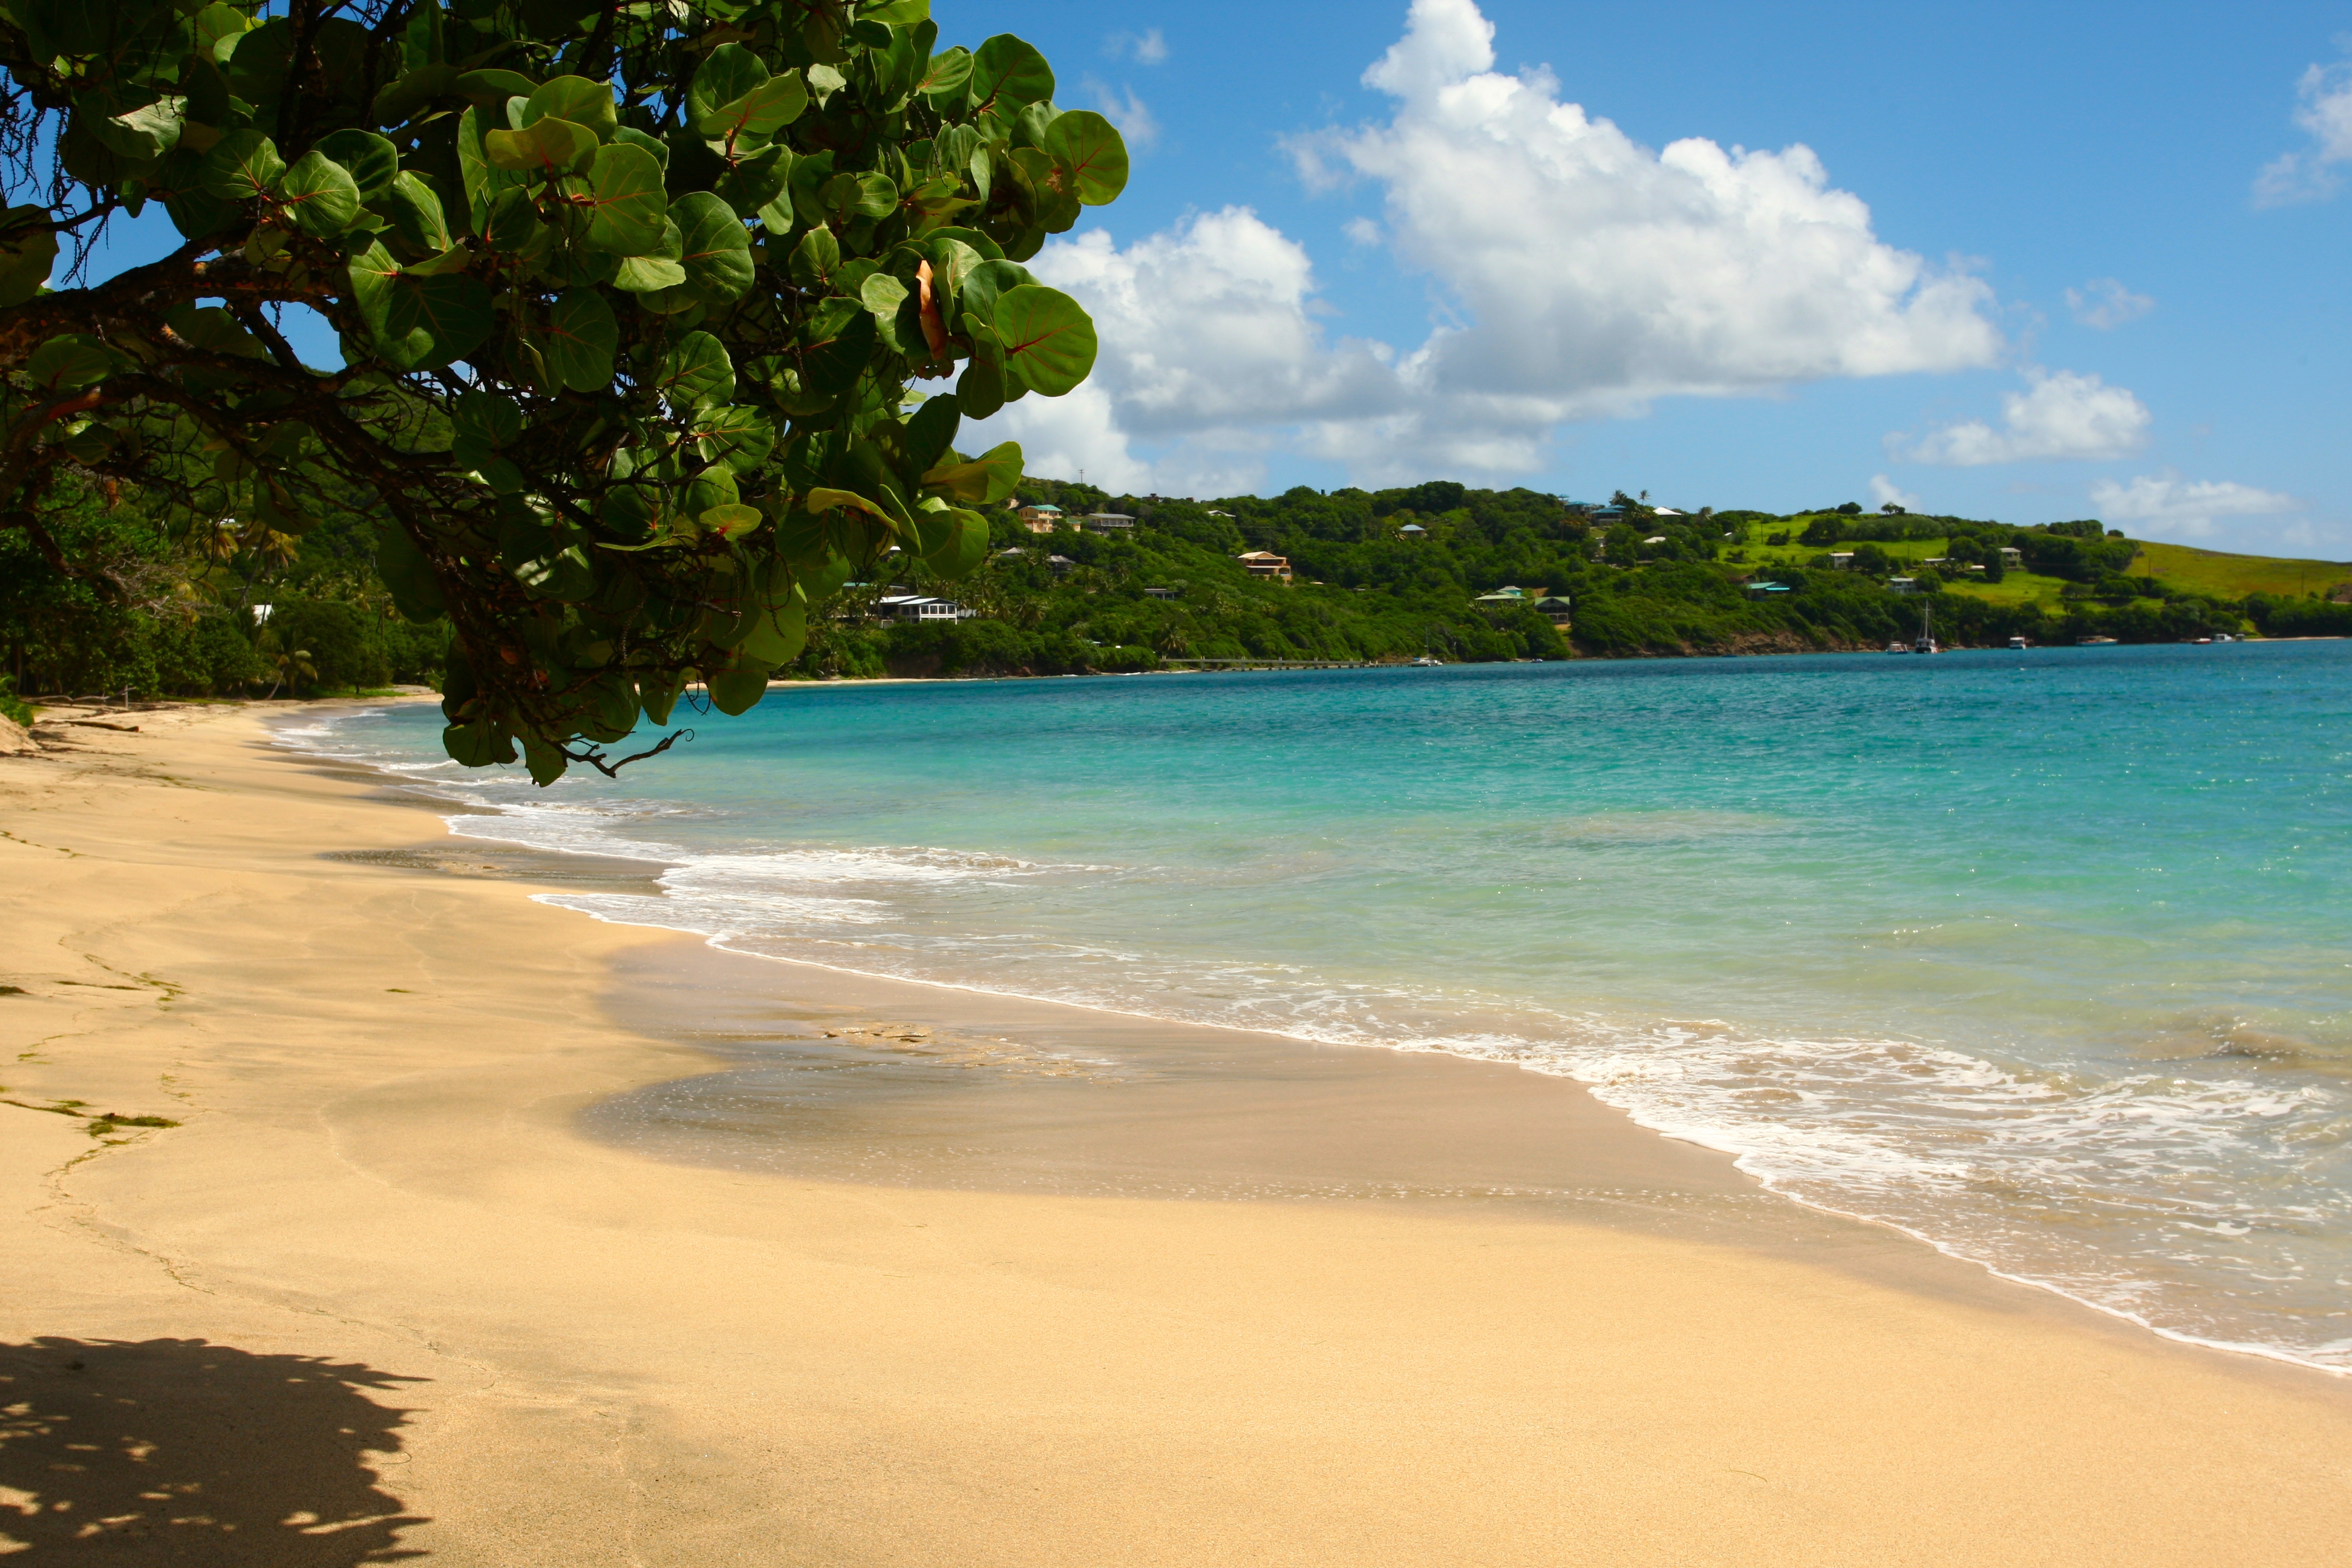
pixel 2041 956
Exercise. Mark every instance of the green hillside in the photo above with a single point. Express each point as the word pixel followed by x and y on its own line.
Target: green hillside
pixel 1388 575
pixel 2235 576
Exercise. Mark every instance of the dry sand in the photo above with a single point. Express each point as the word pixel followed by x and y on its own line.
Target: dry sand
pixel 377 1294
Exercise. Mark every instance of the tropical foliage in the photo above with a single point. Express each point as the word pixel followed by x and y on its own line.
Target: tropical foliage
pixel 630 300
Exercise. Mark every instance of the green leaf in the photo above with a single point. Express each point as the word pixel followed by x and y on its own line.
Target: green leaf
pixel 1008 73
pixel 815 259
pixel 242 167
pixel 545 148
pixel 68 363
pixel 980 390
pixel 944 79
pixel 415 592
pixel 481 423
pixel 759 113
pixel 1090 151
pixel 582 337
pixel 990 282
pixel 739 437
pixel 931 432
pixel 546 763
pixel 494 86
pixel 142 133
pixel 655 145
pixel 416 87
pixel 716 250
pixel 826 498
pixel 752 185
pixel 730 519
pixel 726 73
pixel 1049 343
pixel 737 687
pixel 695 373
pixel 882 294
pixel 453 309
pixel 477 745
pixel 964 549
pixel 372 162
pixel 626 203
pixel 414 211
pixel 777 636
pixel 878 196
pixel 585 103
pixel 644 274
pixel 985 480
pixel 27 253
pixel 319 194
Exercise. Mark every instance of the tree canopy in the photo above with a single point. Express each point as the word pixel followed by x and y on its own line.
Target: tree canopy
pixel 631 302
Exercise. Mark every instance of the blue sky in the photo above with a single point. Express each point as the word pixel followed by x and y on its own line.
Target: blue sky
pixel 2019 261
pixel 2127 292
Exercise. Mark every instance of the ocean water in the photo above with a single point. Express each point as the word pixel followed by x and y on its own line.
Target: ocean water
pixel 2045 958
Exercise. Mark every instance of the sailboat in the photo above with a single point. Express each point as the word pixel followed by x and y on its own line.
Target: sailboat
pixel 1926 642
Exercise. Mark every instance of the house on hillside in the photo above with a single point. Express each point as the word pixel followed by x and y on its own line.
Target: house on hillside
pixel 1506 595
pixel 1265 563
pixel 2012 559
pixel 1160 593
pixel 1766 590
pixel 1412 531
pixel 1553 607
pixel 1841 560
pixel 1060 564
pixel 1040 518
pixel 908 608
pixel 1106 522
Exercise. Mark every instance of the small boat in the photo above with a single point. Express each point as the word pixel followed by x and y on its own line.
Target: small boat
pixel 2094 642
pixel 1926 639
pixel 1424 662
pixel 2223 636
pixel 2018 644
pixel 1897 647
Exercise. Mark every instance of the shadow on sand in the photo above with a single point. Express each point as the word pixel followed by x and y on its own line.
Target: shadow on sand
pixel 190 1454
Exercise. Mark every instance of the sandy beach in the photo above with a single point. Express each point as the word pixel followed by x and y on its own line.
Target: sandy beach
pixel 392 1286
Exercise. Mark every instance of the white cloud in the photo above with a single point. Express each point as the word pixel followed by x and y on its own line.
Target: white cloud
pixel 2323 111
pixel 1126 111
pixel 2060 414
pixel 1362 231
pixel 1884 491
pixel 1209 345
pixel 2107 304
pixel 1148 47
pixel 2167 504
pixel 1580 274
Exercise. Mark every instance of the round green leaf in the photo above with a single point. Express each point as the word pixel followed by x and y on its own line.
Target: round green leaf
pixel 27 253
pixel 944 79
pixel 582 337
pixel 725 75
pixel 628 206
pixel 1049 343
pixel 372 162
pixel 740 438
pixel 645 274
pixel 242 167
pixel 714 247
pixel 1008 73
pixel 695 373
pixel 546 147
pixel 453 309
pixel 576 99
pixel 736 688
pixel 68 363
pixel 1090 152
pixel 318 194
pixel 415 211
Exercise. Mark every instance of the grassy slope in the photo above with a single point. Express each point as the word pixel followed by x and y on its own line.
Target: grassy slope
pixel 2235 576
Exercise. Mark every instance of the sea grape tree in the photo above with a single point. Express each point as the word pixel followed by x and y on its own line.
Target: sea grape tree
pixel 632 303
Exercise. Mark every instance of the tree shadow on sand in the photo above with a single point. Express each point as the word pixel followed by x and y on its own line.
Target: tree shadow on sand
pixel 190 1454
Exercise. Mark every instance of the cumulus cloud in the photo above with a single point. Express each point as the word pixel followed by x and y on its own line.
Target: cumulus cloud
pixel 2185 508
pixel 1148 47
pixel 2060 414
pixel 1884 491
pixel 1210 346
pixel 2107 304
pixel 1579 274
pixel 2323 112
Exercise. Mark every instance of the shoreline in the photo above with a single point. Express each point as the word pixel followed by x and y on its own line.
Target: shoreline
pixel 576 1353
pixel 946 1003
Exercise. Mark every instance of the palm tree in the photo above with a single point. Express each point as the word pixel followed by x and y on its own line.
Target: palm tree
pixel 293 667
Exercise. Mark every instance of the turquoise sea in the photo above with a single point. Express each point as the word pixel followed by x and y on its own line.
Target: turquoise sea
pixel 2045 957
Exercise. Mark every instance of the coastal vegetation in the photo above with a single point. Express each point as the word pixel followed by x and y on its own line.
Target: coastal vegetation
pixel 1380 575
pixel 628 301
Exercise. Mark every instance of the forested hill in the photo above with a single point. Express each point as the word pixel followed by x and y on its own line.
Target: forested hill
pixel 1386 574
pixel 1639 581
